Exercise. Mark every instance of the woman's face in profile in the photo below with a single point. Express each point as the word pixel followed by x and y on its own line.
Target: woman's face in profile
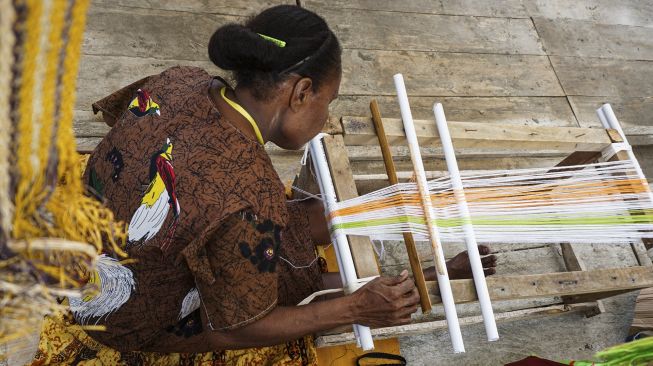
pixel 300 127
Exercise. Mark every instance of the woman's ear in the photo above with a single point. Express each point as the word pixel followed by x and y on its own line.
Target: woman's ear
pixel 301 92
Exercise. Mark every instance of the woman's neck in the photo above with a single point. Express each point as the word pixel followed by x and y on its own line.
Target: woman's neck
pixel 262 113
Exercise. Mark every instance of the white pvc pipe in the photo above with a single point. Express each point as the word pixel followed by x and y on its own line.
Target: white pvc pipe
pixel 609 120
pixel 470 236
pixel 339 240
pixel 436 245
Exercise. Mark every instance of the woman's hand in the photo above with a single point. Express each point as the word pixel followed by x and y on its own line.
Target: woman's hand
pixel 459 267
pixel 385 301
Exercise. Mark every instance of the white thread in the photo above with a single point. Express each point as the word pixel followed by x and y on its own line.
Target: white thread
pixel 512 206
pixel 298 267
pixel 305 155
pixel 309 194
pixel 308 146
pixel 306 266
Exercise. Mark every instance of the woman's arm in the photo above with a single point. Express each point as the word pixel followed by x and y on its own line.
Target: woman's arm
pixel 385 301
pixel 317 221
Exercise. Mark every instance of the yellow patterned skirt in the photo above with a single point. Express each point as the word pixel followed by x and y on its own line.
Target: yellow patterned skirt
pixel 63 342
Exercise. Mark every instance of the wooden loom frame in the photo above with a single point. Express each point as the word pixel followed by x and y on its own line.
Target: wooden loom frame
pixel 581 290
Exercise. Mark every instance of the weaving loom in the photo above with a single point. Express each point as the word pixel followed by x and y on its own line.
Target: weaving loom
pixel 601 197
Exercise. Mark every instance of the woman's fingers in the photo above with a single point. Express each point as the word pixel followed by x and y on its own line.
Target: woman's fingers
pixel 395 280
pixel 484 249
pixel 489 261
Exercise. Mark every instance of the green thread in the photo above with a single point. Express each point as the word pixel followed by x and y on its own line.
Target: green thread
pixel 505 221
pixel 277 42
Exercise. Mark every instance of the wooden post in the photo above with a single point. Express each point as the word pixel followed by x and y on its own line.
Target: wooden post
pixel 413 257
pixel 343 181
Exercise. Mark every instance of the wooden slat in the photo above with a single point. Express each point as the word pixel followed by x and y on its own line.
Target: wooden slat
pixel 359 131
pixel 369 72
pixel 100 76
pixel 369 177
pixel 434 166
pixel 151 33
pixel 631 111
pixel 231 7
pixel 574 263
pixel 603 77
pixel 333 126
pixel 598 297
pixel 542 111
pixel 512 259
pixel 90 129
pixel 382 30
pixel 86 145
pixel 495 8
pixel 552 284
pixel 428 327
pixel 343 180
pixel 593 39
pixel 627 12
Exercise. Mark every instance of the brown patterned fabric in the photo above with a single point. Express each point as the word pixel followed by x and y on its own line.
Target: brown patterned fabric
pixel 63 342
pixel 206 210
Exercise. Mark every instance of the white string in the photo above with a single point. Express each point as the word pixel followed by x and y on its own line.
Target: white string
pixel 308 146
pixel 306 193
pixel 306 266
pixel 585 213
pixel 299 267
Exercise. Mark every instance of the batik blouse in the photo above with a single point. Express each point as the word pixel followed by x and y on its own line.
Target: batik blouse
pixel 209 225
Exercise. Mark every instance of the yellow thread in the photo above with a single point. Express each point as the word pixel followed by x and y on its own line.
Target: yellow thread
pixel 7 20
pixel 244 113
pixel 49 94
pixel 42 211
pixel 31 28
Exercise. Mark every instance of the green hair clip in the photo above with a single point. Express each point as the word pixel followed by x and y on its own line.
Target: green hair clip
pixel 277 42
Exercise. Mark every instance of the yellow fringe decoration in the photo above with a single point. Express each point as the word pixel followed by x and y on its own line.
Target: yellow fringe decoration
pixel 49 200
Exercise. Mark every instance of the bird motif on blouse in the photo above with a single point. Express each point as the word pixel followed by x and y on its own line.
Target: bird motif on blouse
pixel 142 104
pixel 159 199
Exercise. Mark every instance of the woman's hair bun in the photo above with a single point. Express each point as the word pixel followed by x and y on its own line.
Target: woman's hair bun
pixel 279 41
pixel 238 48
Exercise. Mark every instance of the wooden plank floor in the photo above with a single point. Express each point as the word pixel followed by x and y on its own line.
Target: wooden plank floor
pixel 547 62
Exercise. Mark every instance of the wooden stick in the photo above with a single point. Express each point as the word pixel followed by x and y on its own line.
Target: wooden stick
pixel 429 214
pixel 413 257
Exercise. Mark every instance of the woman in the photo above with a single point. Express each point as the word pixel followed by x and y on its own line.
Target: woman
pixel 184 165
